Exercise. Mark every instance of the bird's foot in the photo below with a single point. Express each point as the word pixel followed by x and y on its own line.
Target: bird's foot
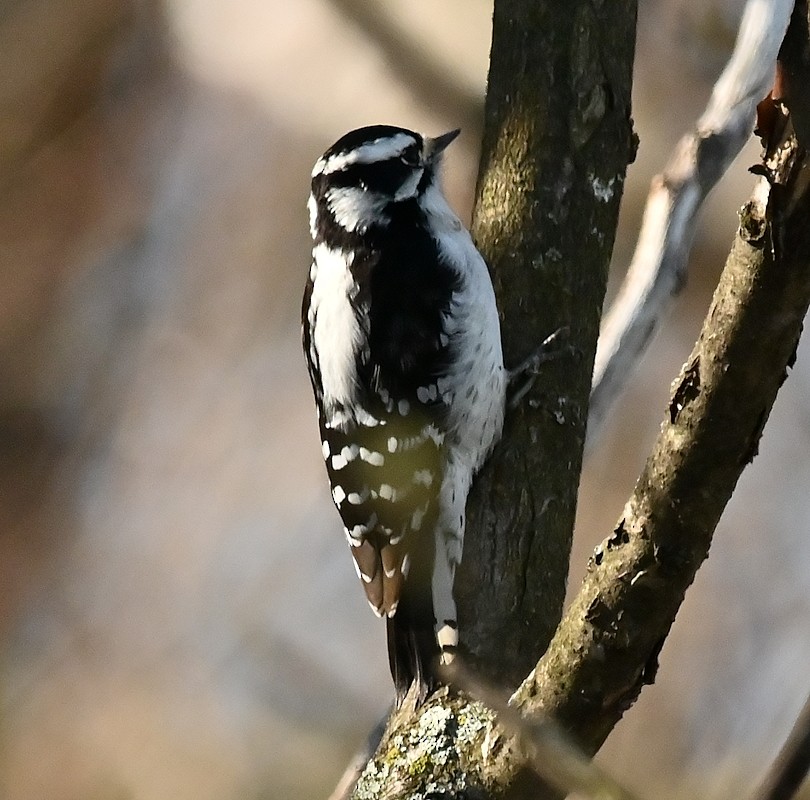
pixel 521 379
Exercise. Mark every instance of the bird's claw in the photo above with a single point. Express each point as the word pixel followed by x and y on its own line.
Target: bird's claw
pixel 528 370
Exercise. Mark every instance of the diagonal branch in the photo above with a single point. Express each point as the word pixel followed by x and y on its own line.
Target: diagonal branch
pixel 355 767
pixel 549 751
pixel 657 272
pixel 607 645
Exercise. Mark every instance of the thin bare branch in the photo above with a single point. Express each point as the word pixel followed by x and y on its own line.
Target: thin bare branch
pixel 657 271
pixel 352 773
pixel 792 764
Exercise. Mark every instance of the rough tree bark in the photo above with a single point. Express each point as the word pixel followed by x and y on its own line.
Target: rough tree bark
pixel 606 648
pixel 557 141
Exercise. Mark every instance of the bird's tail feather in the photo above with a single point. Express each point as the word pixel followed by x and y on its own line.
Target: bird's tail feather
pixel 423 632
pixel 413 651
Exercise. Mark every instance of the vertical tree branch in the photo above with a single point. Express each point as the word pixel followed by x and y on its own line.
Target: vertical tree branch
pixel 557 140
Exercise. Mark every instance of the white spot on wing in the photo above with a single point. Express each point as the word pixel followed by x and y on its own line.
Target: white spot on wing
pixel 372 457
pixel 393 443
pixel 355 535
pixel 350 452
pixel 325 448
pixel 387 492
pixel 364 418
pixel 403 406
pixel 423 477
pixel 345 456
pixel 338 495
pixel 417 517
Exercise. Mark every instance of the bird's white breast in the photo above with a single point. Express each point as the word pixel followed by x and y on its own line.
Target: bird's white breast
pixel 336 337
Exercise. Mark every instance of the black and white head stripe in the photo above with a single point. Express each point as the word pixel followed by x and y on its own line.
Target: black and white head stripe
pixel 371 145
pixel 363 173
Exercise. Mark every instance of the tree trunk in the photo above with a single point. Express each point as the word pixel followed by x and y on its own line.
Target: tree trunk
pixel 557 141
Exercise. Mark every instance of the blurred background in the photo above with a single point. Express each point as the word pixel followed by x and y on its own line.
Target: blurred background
pixel 178 615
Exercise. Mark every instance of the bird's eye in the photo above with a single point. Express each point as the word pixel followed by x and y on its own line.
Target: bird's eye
pixel 410 157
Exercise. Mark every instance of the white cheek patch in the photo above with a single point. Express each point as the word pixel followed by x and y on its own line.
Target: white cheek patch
pixel 355 208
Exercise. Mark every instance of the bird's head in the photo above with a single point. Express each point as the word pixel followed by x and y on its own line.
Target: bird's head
pixel 362 175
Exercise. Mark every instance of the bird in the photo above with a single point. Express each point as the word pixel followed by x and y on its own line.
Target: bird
pixel 401 336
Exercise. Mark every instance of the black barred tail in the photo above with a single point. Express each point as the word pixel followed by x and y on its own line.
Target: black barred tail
pixel 413 651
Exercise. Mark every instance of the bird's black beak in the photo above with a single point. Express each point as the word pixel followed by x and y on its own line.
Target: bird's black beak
pixel 433 148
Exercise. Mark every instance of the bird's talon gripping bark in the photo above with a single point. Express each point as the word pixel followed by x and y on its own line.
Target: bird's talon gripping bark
pixel 522 377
